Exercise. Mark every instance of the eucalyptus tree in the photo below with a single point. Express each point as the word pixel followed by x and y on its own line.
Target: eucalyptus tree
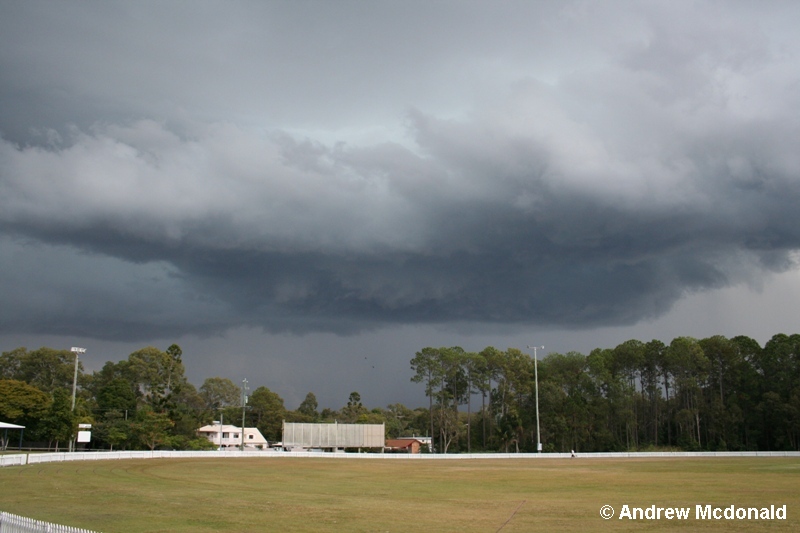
pixel 428 370
pixel 513 376
pixel 779 367
pixel 474 368
pixel 58 422
pixel 714 393
pixel 722 357
pixel 267 412
pixel 628 361
pixel 453 393
pixel 218 392
pixel 120 371
pixel 188 412
pixel 454 365
pixel 158 375
pixel 691 371
pixel 751 380
pixel 398 419
pixel 117 395
pixel 447 376
pixel 605 371
pixel 46 368
pixel 570 400
pixel 723 388
pixel 10 362
pixel 650 373
pixel 308 407
pixel 485 369
pixel 446 426
pixel 509 430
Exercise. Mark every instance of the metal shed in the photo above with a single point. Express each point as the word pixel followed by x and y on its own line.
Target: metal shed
pixel 5 426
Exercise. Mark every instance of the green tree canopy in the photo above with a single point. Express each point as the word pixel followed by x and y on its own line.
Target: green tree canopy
pixel 266 409
pixel 220 392
pixel 117 395
pixel 46 369
pixel 58 423
pixel 157 374
pixel 308 407
pixel 21 403
pixel 151 427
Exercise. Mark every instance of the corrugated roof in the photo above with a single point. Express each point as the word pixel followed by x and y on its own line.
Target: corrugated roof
pixel 397 443
pixel 217 428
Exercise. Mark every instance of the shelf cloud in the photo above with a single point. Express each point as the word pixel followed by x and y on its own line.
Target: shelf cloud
pixel 188 168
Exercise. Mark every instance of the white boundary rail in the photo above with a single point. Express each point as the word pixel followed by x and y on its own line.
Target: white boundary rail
pixel 13 460
pixel 36 458
pixel 11 523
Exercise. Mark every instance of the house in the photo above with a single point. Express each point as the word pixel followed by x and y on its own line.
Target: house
pixel 402 446
pixel 227 436
pixel 424 441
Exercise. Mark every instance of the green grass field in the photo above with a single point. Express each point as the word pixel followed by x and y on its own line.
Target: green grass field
pixel 373 495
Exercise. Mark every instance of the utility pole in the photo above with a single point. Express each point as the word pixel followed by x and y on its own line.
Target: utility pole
pixel 221 424
pixel 244 404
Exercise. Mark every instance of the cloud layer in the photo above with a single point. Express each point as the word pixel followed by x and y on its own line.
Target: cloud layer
pixel 304 170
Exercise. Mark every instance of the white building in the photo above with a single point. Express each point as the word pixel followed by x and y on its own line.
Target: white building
pixel 227 436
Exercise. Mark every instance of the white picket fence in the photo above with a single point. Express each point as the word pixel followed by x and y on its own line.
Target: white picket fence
pixel 14 460
pixel 11 523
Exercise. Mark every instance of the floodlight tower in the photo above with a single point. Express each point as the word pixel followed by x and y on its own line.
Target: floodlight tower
pixel 536 380
pixel 76 351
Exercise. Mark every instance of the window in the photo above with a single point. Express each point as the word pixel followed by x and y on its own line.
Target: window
pixel 226 435
pixel 250 437
pixel 235 435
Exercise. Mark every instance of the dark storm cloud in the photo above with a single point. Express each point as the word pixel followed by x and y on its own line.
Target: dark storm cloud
pixel 594 181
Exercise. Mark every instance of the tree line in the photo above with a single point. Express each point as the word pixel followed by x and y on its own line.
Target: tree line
pixel 146 402
pixel 708 394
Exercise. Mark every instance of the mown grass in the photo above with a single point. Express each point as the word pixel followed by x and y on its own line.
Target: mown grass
pixel 373 495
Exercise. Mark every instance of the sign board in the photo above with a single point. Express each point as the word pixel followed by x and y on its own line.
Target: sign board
pixel 84 436
pixel 84 426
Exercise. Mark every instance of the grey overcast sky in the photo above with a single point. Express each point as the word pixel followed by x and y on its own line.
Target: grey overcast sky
pixel 305 193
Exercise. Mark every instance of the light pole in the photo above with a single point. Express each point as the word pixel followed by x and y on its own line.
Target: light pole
pixel 536 380
pixel 244 403
pixel 76 351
